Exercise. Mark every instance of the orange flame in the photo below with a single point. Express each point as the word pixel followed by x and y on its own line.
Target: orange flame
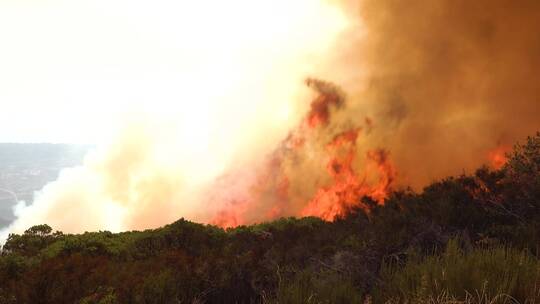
pixel 497 157
pixel 320 107
pixel 348 187
pixel 273 192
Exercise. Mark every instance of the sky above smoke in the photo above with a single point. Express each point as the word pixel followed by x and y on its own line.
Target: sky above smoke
pixel 191 101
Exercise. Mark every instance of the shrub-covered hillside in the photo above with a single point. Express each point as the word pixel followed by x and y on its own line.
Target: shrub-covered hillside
pixel 473 238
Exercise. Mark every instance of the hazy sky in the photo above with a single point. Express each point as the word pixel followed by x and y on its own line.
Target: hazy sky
pixel 69 68
pixel 65 65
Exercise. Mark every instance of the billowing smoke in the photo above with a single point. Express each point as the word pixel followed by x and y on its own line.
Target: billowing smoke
pixel 403 92
pixel 241 69
pixel 446 82
pixel 426 90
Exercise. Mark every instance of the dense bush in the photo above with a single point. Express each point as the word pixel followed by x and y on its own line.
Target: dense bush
pixel 495 272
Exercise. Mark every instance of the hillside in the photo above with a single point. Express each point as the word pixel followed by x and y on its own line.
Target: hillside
pixel 473 238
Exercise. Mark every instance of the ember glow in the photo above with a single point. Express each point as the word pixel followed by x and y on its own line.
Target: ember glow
pixel 497 157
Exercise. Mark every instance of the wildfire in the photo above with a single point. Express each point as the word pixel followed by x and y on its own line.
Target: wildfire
pixel 349 186
pixel 320 107
pixel 206 118
pixel 497 157
pixel 273 193
pixel 209 85
pixel 228 218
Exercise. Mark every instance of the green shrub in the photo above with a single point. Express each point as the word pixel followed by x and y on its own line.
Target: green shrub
pixel 310 287
pixel 497 272
pixel 106 296
pixel 158 288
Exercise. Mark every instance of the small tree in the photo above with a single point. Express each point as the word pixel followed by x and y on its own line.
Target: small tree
pixel 32 241
pixel 39 230
pixel 523 176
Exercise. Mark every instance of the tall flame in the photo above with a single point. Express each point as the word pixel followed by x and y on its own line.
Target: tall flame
pixel 329 190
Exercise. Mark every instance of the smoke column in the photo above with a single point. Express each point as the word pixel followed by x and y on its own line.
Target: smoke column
pixel 446 82
pixel 425 90
pixel 404 92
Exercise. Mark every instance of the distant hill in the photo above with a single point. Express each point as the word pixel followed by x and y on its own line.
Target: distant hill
pixel 26 168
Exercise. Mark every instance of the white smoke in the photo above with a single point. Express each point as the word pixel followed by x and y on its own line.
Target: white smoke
pixel 235 91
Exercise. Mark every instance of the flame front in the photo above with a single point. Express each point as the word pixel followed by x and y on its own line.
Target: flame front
pixel 325 149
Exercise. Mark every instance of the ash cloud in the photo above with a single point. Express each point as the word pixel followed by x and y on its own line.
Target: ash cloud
pixel 445 81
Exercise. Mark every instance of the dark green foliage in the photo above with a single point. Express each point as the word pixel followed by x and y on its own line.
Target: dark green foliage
pixel 310 287
pixel 495 271
pixel 398 251
pixel 32 241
